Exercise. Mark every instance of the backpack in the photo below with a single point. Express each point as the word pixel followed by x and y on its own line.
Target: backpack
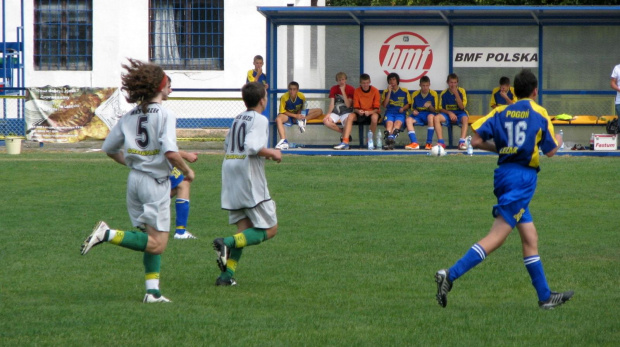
pixel 612 127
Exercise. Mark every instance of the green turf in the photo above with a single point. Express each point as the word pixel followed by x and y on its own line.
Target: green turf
pixel 359 241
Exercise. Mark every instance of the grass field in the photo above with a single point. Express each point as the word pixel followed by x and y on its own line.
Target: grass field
pixel 360 239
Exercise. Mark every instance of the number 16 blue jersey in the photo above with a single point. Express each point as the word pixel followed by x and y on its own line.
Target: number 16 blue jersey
pixel 518 131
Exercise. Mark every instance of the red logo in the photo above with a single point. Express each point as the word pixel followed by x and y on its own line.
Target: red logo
pixel 408 54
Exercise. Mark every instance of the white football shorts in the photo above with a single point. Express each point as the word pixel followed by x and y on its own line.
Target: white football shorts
pixel 262 216
pixel 148 201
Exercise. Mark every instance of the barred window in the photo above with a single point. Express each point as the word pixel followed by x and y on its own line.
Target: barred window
pixel 187 34
pixel 63 35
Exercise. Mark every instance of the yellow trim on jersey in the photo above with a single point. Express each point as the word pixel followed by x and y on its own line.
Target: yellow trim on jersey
pixel 481 121
pixel 118 238
pixel 535 161
pixel 432 93
pixel 286 97
pixel 240 240
pixel 151 276
pixel 251 76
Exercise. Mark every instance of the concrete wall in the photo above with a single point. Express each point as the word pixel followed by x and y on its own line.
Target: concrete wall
pixel 120 30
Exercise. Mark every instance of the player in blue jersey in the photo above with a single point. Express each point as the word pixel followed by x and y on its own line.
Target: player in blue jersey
pixel 424 105
pixel 504 94
pixel 452 103
pixel 396 100
pixel 292 104
pixel 516 132
pixel 258 75
pixel 180 187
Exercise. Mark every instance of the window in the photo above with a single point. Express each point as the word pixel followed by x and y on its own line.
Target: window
pixel 187 34
pixel 63 35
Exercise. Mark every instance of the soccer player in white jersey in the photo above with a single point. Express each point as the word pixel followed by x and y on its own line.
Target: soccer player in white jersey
pixel 244 185
pixel 144 139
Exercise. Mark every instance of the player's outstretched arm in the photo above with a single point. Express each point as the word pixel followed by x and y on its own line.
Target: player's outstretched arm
pixel 118 157
pixel 189 156
pixel 478 142
pixel 271 154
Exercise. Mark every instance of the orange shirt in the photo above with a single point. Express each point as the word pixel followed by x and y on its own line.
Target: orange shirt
pixel 366 101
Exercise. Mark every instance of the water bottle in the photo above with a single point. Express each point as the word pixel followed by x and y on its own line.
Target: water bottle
pixel 371 144
pixel 470 149
pixel 292 145
pixel 379 141
pixel 562 137
pixel 592 142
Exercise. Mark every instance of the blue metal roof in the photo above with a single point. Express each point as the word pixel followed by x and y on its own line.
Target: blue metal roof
pixel 444 15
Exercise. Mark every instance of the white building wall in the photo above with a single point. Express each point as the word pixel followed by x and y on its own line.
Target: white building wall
pixel 120 30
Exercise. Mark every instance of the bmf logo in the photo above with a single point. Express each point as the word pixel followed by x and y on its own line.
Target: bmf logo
pixel 408 54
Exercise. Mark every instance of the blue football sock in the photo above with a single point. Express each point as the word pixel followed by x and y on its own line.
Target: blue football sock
pixel 441 141
pixel 429 134
pixel 182 208
pixel 412 137
pixel 539 281
pixel 474 256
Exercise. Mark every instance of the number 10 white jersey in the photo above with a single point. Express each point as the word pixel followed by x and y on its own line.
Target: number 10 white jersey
pixel 244 184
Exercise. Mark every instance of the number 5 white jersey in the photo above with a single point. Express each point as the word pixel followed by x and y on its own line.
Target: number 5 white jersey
pixel 244 184
pixel 145 139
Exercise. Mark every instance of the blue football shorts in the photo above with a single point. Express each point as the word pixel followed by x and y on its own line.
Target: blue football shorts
pixel 514 188
pixel 176 177
pixel 421 118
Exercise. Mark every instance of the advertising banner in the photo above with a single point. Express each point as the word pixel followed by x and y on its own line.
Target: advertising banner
pixel 71 114
pixel 517 57
pixel 411 52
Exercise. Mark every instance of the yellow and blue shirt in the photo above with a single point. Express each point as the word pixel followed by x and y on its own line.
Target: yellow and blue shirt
pixel 518 131
pixel 293 106
pixel 497 99
pixel 398 99
pixel 252 77
pixel 447 100
pixel 418 101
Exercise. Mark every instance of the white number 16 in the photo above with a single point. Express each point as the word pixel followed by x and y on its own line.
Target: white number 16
pixel 516 134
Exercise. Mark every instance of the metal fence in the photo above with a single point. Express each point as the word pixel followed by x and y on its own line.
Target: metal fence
pixel 218 112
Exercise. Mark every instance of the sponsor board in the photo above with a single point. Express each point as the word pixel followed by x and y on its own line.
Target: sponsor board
pixel 517 57
pixel 605 142
pixel 411 52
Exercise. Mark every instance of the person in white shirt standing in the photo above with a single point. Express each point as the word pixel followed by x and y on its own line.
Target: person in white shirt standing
pixel 244 186
pixel 615 85
pixel 145 140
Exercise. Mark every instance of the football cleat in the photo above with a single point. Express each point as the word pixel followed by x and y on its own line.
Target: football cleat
pixel 95 238
pixel 342 146
pixel 222 253
pixel 225 283
pixel 283 144
pixel 302 125
pixel 441 144
pixel 413 145
pixel 185 236
pixel 151 299
pixel 428 146
pixel 556 299
pixel 444 285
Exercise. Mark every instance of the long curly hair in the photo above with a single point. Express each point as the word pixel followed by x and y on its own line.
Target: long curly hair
pixel 142 82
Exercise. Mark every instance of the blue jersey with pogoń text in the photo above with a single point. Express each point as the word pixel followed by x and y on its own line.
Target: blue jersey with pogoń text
pixel 518 131
pixel 418 100
pixel 398 99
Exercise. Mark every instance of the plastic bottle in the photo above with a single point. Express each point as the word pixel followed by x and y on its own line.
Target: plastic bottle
pixel 470 149
pixel 292 145
pixel 592 142
pixel 371 144
pixel 379 141
pixel 562 137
